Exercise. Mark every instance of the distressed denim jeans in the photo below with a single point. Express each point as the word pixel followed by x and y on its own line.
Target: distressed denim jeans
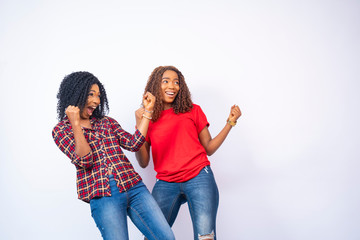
pixel 110 214
pixel 201 194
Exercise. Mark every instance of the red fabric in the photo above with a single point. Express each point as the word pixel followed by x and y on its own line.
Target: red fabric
pixel 176 150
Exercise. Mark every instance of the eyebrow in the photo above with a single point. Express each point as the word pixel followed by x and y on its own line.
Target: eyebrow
pixel 93 91
pixel 169 78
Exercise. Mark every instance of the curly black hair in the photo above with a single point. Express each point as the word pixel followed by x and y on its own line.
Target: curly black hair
pixel 182 102
pixel 74 90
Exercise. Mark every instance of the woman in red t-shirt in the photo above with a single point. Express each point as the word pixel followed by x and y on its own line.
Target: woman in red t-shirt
pixel 180 142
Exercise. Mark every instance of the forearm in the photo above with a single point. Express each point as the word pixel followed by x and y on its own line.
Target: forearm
pixel 82 146
pixel 211 145
pixel 144 115
pixel 143 155
pixel 144 125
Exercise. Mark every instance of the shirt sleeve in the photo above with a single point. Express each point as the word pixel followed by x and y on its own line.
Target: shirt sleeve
pixel 200 118
pixel 128 141
pixel 65 141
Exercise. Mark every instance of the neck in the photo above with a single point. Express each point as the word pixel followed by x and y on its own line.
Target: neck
pixel 167 106
pixel 85 123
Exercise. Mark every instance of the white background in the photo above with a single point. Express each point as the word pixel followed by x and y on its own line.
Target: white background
pixel 289 170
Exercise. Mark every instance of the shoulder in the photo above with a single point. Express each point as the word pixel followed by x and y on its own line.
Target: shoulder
pixel 196 108
pixel 63 128
pixel 63 125
pixel 198 113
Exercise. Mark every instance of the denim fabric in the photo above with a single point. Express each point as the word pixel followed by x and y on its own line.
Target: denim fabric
pixel 110 214
pixel 202 196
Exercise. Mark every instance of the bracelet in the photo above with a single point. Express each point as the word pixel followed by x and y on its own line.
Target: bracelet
pixel 148 111
pixel 231 123
pixel 147 117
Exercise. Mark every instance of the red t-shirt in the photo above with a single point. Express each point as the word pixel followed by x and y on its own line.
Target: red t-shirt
pixel 176 149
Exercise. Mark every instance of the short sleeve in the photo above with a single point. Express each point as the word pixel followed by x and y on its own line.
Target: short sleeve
pixel 199 118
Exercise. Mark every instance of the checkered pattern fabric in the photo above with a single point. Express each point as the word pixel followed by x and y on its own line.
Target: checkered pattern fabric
pixel 105 139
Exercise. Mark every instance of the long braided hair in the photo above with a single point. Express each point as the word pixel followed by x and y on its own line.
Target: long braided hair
pixel 74 90
pixel 182 102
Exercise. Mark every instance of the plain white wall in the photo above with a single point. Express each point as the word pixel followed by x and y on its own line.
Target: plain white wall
pixel 289 169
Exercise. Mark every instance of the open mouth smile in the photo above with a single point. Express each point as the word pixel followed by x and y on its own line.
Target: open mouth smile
pixel 170 94
pixel 91 109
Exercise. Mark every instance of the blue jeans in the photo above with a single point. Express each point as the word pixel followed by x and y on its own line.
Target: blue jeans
pixel 110 213
pixel 202 196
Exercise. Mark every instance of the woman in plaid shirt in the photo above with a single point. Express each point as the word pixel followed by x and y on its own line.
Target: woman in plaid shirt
pixel 105 177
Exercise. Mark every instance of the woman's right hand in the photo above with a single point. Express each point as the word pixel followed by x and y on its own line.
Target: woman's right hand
pixel 73 114
pixel 149 101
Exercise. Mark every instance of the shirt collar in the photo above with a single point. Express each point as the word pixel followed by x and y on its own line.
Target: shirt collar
pixel 93 121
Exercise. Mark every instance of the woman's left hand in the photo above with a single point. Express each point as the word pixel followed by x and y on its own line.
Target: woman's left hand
pixel 138 115
pixel 235 113
pixel 149 101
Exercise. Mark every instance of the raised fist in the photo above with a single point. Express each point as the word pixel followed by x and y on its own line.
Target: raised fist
pixel 73 114
pixel 149 101
pixel 235 113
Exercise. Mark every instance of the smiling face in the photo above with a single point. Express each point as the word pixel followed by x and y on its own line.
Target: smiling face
pixel 93 101
pixel 169 88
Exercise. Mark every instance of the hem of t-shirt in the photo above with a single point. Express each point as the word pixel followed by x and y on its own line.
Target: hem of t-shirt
pixel 188 179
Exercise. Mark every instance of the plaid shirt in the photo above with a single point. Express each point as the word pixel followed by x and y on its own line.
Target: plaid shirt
pixel 105 139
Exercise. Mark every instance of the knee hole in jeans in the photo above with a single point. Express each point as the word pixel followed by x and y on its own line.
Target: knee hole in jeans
pixel 210 236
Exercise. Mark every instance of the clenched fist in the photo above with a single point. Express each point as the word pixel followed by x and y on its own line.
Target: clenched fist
pixel 235 113
pixel 73 114
pixel 149 101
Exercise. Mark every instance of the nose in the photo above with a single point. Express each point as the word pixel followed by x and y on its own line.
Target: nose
pixel 96 100
pixel 171 84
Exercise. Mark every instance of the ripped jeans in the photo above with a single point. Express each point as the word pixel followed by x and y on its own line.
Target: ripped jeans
pixel 202 195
